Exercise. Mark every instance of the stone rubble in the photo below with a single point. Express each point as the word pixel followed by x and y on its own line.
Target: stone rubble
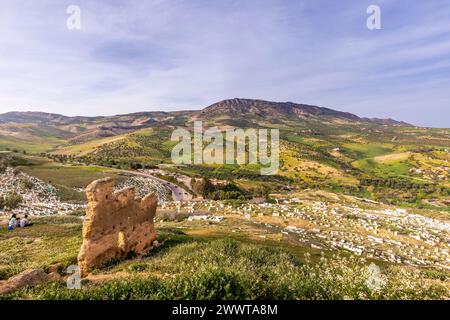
pixel 215 219
pixel 144 186
pixel 390 234
pixel 40 199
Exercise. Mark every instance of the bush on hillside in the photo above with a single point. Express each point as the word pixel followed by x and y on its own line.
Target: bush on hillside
pixel 10 201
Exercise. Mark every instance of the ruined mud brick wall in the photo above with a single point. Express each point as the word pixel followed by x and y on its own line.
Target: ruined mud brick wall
pixel 116 224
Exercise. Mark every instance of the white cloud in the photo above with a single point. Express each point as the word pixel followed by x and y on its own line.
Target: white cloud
pixel 149 55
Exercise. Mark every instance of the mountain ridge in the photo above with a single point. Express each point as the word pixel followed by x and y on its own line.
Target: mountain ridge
pixel 228 107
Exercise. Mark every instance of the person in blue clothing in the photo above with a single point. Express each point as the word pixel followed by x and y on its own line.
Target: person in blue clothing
pixel 12 222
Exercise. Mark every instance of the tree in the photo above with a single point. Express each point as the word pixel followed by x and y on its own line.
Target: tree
pixel 26 184
pixel 203 187
pixel 260 191
pixel 12 200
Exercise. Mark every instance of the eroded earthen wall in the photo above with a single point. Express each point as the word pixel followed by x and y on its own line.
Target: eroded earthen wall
pixel 116 225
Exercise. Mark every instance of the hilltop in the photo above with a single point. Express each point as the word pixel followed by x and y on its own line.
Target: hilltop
pixel 266 110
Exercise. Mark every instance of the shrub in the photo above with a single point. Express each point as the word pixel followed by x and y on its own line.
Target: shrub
pixel 26 184
pixel 12 200
pixel 202 186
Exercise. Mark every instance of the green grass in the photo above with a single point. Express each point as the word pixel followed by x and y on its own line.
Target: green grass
pixel 49 241
pixel 187 267
pixel 87 147
pixel 367 150
pixel 228 270
pixel 382 169
pixel 29 144
pixel 66 175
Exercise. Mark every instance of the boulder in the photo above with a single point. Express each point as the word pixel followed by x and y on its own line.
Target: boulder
pixel 28 278
pixel 55 268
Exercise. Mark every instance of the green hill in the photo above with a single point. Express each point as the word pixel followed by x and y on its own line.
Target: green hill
pixel 386 160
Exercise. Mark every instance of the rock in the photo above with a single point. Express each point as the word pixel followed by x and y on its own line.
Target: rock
pixel 116 224
pixel 55 268
pixel 156 244
pixel 54 276
pixel 28 278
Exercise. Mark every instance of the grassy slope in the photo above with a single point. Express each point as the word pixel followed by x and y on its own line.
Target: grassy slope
pixel 64 177
pixel 308 155
pixel 48 242
pixel 30 144
pixel 195 263
pixel 67 175
pixel 30 138
pixel 331 156
pixel 87 147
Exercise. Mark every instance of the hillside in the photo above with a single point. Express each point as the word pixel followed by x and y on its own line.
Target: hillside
pixel 87 128
pixel 265 110
pixel 383 159
pixel 43 132
pixel 79 129
pixel 349 192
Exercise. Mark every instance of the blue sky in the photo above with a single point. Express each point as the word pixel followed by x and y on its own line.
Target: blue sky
pixel 174 55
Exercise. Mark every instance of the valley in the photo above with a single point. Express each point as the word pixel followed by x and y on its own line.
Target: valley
pixel 349 192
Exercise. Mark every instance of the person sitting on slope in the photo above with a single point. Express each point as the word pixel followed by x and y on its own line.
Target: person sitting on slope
pixel 25 222
pixel 12 222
